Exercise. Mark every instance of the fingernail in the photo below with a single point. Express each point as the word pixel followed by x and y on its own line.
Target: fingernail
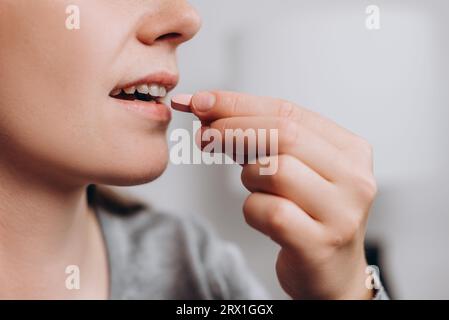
pixel 203 101
pixel 181 102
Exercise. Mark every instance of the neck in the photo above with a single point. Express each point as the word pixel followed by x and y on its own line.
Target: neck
pixel 44 226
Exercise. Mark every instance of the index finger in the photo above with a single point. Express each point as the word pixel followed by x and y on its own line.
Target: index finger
pixel 215 105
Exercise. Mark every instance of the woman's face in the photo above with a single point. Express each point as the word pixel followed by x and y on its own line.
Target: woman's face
pixel 57 115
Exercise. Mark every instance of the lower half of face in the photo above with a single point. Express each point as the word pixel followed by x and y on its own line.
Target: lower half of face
pixel 56 113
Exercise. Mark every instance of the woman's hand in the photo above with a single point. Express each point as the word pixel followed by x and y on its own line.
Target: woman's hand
pixel 316 205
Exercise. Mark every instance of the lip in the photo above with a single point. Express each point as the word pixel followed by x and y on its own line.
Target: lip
pixel 156 111
pixel 152 110
pixel 163 78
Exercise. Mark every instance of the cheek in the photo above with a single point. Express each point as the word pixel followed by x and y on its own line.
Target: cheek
pixel 43 69
pixel 53 99
pixel 88 145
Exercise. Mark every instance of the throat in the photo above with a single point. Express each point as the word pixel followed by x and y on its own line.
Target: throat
pixel 45 229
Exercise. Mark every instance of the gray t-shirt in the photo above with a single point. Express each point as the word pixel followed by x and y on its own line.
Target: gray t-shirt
pixel 165 256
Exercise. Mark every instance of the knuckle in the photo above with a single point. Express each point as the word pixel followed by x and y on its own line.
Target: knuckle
pixel 276 217
pixel 289 131
pixel 336 240
pixel 363 146
pixel 277 180
pixel 369 149
pixel 347 231
pixel 370 188
pixel 287 110
pixel 365 185
pixel 284 165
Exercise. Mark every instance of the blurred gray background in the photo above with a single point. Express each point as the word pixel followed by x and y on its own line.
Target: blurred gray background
pixel 388 85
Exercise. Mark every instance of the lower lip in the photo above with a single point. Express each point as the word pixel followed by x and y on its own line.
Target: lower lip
pixel 155 111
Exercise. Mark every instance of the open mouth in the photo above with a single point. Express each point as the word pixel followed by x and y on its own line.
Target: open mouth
pixel 144 92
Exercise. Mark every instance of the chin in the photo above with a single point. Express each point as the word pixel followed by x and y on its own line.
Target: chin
pixel 135 174
pixel 144 165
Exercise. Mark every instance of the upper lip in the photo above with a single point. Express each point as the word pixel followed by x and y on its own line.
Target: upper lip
pixel 163 78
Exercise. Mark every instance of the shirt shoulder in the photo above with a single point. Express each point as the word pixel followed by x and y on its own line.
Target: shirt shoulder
pixel 156 255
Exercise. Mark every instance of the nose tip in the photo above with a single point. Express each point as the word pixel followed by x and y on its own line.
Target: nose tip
pixel 176 23
pixel 191 21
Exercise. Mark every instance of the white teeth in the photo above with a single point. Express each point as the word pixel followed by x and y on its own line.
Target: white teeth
pixel 143 89
pixel 158 91
pixel 130 90
pixel 154 90
pixel 162 92
pixel 116 92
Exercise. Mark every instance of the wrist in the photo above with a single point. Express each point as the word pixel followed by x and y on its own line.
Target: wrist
pixel 358 288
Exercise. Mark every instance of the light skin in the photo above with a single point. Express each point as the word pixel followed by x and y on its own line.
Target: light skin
pixel 316 205
pixel 60 131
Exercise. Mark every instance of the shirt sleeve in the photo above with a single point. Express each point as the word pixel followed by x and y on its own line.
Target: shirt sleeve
pixel 230 277
pixel 381 294
pixel 221 266
pixel 223 271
